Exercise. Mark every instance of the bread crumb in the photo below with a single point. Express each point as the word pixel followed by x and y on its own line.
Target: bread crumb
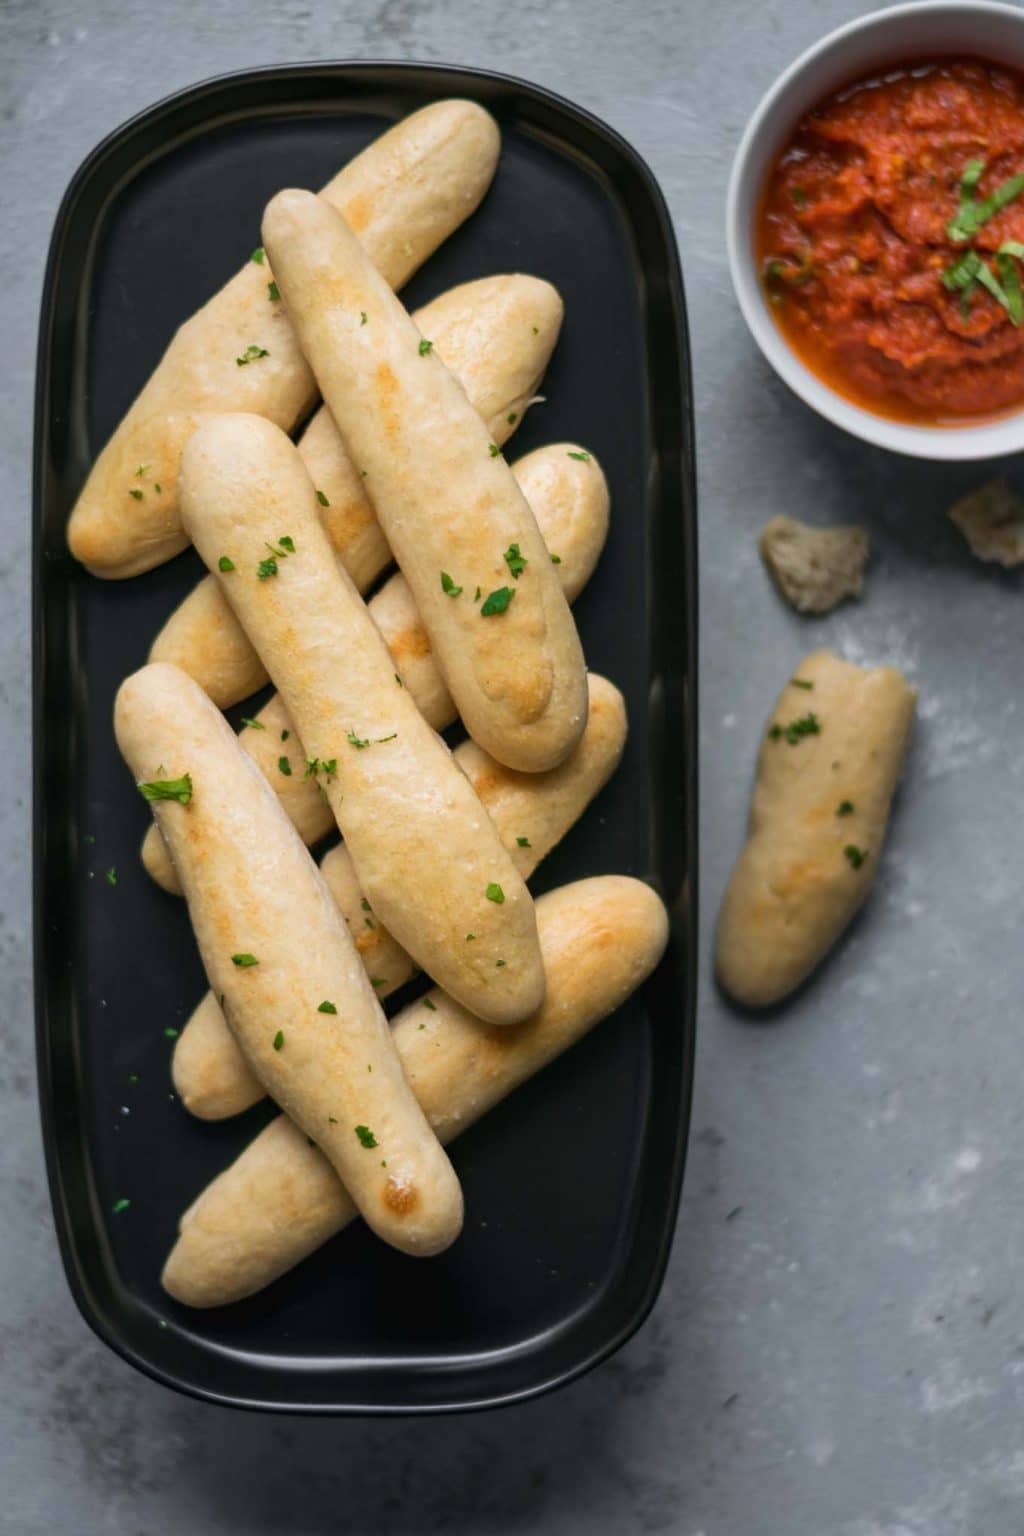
pixel 991 519
pixel 814 569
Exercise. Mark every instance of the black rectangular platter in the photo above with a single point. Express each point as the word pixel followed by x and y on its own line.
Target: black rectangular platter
pixel 571 1186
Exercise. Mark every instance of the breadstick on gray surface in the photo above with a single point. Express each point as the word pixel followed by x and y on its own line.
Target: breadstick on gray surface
pixel 569 495
pixel 403 195
pixel 826 773
pixel 276 950
pixel 496 335
pixel 281 1200
pixel 532 813
pixel 459 526
pixel 429 859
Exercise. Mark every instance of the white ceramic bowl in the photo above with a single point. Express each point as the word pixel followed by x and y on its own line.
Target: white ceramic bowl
pixel 904 33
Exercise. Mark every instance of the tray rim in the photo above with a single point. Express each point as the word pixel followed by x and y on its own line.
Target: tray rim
pixel 432 74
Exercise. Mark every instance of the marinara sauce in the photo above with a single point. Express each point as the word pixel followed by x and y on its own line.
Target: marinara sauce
pixel 867 282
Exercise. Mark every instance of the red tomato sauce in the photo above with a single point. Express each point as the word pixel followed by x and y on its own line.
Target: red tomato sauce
pixel 853 241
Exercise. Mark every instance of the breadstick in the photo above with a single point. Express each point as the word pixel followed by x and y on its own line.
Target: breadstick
pixel 429 859
pixel 826 773
pixel 275 950
pixel 280 1200
pixel 569 496
pixel 403 196
pixel 496 335
pixel 532 813
pixel 453 515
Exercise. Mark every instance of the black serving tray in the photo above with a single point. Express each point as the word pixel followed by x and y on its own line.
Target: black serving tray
pixel 572 1186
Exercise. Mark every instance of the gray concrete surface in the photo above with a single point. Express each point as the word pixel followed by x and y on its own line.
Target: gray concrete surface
pixel 839 1347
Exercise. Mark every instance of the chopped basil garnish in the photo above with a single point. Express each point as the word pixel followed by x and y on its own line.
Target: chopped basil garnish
pixel 515 561
pixel 972 214
pixel 168 789
pixel 497 601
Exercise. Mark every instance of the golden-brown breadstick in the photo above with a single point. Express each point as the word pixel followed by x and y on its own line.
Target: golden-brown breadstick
pixel 281 1200
pixel 276 952
pixel 459 526
pixel 826 772
pixel 532 813
pixel 568 492
pixel 496 335
pixel 403 196
pixel 428 856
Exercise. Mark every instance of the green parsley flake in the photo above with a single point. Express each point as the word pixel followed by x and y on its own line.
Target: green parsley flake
pixel 322 499
pixel 448 585
pixel 365 905
pixel 244 961
pixel 495 893
pixel 287 543
pixel 844 808
pixel 498 964
pixel 135 493
pixel 581 454
pixel 523 842
pixel 494 450
pixel 279 1040
pixel 476 595
pixel 556 559
pixel 796 730
pixel 251 353
pixel 800 682
pixel 253 725
pixel 425 346
pixel 120 1205
pixel 168 789
pixel 428 1004
pixel 285 767
pixel 398 680
pixel 377 981
pixel 225 563
pixel 497 601
pixel 512 418
pixel 326 1007
pixel 359 742
pixel 258 255
pixel 171 1034
pixel 362 317
pixel 470 937
pixel 273 292
pixel 141 471
pixel 515 561
pixel 366 1136
pixel 855 855
pixel 285 735
pixel 266 568
pixel 111 876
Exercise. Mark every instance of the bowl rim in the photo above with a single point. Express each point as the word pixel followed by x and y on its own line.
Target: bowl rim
pixel 988 439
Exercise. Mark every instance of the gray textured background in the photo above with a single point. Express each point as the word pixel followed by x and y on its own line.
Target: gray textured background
pixel 845 1355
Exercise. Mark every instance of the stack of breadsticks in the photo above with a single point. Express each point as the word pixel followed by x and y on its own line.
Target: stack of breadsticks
pixel 401 422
